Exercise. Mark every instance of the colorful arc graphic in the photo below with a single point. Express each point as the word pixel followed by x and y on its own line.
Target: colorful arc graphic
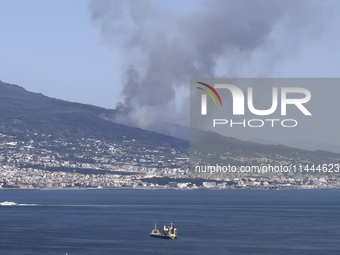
pixel 210 93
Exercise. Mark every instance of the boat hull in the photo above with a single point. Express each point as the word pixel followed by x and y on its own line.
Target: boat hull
pixel 6 203
pixel 163 236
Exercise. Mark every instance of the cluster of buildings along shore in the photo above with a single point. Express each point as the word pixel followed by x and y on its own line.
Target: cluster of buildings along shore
pixel 39 161
pixel 35 178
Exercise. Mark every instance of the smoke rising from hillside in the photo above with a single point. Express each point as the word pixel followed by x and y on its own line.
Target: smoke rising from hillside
pixel 163 49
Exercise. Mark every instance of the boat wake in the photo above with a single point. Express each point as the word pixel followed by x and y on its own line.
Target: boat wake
pixel 27 204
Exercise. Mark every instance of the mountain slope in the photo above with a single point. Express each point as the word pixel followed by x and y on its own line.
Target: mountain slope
pixel 213 149
pixel 23 112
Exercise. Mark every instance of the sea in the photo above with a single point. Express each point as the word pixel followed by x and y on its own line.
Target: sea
pixel 95 222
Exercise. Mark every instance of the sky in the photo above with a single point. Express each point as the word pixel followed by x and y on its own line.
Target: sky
pixel 138 56
pixel 55 48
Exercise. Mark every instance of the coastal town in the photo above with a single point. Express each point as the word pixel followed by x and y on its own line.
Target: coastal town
pixel 42 162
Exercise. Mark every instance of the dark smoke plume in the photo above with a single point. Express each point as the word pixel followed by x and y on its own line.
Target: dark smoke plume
pixel 163 49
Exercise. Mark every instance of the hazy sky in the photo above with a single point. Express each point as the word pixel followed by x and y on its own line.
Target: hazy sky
pixel 88 51
pixel 55 48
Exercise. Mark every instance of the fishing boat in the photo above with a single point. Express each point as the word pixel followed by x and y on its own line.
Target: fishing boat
pixel 167 233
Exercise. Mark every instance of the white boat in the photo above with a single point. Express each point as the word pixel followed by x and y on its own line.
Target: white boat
pixel 8 203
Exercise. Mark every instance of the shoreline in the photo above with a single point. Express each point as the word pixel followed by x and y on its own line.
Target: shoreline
pixel 199 189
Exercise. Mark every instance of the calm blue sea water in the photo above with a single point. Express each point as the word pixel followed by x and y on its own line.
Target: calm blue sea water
pixel 209 222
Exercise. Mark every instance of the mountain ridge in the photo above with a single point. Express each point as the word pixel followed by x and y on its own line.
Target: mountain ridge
pixel 23 112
